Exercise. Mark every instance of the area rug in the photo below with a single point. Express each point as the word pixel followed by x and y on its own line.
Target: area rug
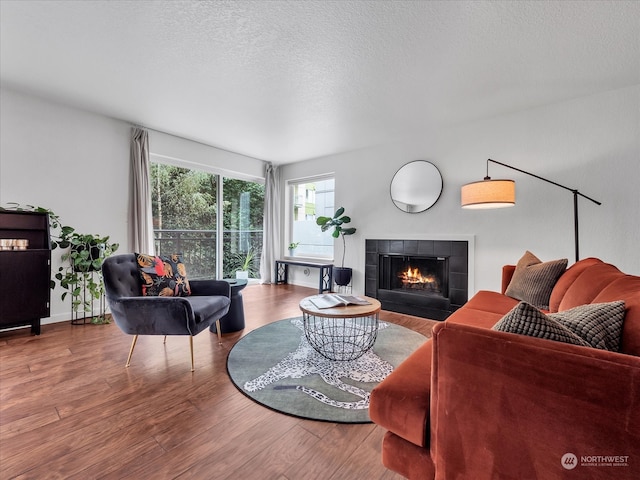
pixel 275 366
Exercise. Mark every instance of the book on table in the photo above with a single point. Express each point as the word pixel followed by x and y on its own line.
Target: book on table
pixel 331 300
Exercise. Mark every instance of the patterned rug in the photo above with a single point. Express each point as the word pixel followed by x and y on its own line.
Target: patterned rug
pixel 275 366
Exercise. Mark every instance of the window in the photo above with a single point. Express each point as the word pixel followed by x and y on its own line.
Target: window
pixel 310 199
pixel 183 203
pixel 243 211
pixel 186 220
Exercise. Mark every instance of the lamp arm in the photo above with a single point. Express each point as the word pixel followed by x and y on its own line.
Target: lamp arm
pixel 572 190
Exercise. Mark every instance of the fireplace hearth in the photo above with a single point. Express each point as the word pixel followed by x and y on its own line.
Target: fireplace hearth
pixel 426 278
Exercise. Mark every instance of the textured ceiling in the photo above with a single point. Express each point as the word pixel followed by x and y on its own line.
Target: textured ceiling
pixel 291 80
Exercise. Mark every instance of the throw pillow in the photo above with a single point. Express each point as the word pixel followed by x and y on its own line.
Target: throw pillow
pixel 163 276
pixel 599 324
pixel 525 319
pixel 533 280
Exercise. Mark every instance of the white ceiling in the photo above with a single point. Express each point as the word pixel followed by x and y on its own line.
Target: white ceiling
pixel 291 80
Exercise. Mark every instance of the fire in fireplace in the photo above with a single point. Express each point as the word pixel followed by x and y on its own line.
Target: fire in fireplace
pixel 413 279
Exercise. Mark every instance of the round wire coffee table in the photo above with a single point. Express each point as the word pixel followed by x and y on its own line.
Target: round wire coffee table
pixel 341 333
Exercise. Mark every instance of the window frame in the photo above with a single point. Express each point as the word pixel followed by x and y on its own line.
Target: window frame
pixel 220 175
pixel 289 215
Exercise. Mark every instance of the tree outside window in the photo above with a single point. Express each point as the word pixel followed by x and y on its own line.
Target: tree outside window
pixel 185 213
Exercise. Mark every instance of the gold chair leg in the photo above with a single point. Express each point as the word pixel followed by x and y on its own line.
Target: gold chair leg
pixel 191 347
pixel 133 345
pixel 218 330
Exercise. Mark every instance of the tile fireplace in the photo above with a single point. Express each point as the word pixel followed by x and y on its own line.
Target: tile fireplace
pixel 426 278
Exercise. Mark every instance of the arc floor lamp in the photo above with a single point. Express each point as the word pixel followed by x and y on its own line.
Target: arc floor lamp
pixel 490 193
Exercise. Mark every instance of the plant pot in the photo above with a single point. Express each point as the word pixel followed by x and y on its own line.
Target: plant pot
pixel 342 275
pixel 242 274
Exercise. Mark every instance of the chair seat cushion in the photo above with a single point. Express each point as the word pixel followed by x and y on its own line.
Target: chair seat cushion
pixel 206 307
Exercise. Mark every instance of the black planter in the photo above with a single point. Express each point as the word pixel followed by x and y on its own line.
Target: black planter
pixel 342 275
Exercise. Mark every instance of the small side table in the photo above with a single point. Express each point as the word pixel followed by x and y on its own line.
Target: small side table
pixel 341 333
pixel 234 319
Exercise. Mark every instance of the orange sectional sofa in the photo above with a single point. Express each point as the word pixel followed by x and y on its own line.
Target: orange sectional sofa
pixel 475 403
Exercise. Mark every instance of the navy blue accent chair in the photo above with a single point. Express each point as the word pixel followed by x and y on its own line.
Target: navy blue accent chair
pixel 136 314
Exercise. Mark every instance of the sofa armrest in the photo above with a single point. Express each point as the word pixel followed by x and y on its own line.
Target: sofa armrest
pixel 507 275
pixel 511 406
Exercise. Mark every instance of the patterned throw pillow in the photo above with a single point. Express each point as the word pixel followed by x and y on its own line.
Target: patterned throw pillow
pixel 597 325
pixel 163 276
pixel 533 280
pixel 525 319
pixel 600 324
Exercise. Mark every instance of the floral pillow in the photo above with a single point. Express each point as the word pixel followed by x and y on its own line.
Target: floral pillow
pixel 163 276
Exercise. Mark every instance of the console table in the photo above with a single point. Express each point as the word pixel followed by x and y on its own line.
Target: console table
pixel 326 272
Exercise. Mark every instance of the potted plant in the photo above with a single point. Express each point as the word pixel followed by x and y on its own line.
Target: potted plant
pixel 82 276
pixel 341 275
pixel 245 265
pixel 292 247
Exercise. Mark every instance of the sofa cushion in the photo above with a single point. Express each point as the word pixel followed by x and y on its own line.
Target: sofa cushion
pixel 627 288
pixel 566 280
pixel 534 280
pixel 486 301
pixel 163 276
pixel 588 285
pixel 525 319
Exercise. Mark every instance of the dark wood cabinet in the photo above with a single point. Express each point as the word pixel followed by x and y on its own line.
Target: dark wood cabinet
pixel 25 275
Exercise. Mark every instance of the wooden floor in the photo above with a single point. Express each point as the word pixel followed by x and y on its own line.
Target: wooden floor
pixel 70 410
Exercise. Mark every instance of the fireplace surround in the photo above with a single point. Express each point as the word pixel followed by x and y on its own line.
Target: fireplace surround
pixel 425 278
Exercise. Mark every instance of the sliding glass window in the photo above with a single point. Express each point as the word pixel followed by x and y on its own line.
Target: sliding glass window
pixel 191 206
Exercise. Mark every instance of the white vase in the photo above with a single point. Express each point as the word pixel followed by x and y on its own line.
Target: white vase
pixel 242 274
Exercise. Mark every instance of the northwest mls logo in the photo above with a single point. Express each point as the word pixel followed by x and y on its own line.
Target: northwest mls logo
pixel 569 461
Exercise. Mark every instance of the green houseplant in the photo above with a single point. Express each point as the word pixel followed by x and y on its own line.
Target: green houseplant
pixel 82 276
pixel 341 275
pixel 242 264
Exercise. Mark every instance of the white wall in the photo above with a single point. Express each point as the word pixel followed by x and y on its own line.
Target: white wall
pixel 76 163
pixel 70 161
pixel 179 151
pixel 592 144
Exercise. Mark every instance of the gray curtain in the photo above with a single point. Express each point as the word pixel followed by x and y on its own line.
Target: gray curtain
pixel 140 216
pixel 271 244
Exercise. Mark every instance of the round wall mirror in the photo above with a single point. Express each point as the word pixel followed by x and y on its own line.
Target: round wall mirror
pixel 416 186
